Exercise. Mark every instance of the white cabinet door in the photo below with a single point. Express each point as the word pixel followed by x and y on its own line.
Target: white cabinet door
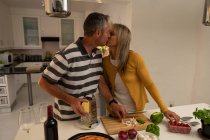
pixel 6 39
pixel 10 88
pixel 1 34
pixel 18 33
pixel 49 26
pixel 26 32
pixel 7 94
pixel 20 79
pixel 67 32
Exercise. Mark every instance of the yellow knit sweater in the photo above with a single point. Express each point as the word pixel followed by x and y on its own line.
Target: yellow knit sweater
pixel 136 78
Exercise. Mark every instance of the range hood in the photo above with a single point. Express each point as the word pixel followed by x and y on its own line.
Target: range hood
pixel 57 8
pixel 206 13
pixel 49 39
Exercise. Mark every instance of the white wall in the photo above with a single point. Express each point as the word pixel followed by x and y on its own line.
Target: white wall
pixel 175 46
pixel 202 76
pixel 119 12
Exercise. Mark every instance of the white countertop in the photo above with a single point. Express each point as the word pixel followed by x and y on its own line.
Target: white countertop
pixel 67 129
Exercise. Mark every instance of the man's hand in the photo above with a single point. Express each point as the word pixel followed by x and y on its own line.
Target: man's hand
pixel 76 104
pixel 172 116
pixel 118 110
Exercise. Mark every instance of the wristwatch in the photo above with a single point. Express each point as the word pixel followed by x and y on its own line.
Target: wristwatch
pixel 112 101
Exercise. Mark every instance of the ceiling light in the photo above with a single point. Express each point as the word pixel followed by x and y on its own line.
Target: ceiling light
pixel 99 1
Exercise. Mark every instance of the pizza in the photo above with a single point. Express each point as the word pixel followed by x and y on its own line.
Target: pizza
pixel 92 137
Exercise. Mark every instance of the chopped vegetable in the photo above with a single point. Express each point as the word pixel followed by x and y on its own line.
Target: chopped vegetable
pixel 152 128
pixel 156 117
pixel 140 121
pixel 129 122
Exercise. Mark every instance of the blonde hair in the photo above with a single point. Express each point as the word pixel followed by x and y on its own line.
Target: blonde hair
pixel 123 46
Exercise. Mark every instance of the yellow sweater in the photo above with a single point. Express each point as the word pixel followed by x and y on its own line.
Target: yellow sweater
pixel 136 78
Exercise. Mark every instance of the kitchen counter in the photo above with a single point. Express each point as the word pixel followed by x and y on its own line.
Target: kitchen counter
pixel 24 69
pixel 66 129
pixel 19 70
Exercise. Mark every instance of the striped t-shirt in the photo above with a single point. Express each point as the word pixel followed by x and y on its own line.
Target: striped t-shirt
pixel 76 72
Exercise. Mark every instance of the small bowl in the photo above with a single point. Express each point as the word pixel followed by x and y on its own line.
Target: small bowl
pixel 194 123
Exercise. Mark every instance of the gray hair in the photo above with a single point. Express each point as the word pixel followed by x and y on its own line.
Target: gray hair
pixel 123 46
pixel 94 21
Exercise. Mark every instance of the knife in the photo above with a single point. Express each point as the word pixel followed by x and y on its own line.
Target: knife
pixel 137 112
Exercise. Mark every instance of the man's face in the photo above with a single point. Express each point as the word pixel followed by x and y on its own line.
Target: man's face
pixel 104 35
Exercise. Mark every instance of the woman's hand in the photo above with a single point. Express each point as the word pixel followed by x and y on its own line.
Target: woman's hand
pixel 172 116
pixel 118 111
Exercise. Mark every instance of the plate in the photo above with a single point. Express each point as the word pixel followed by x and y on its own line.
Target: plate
pixel 79 135
pixel 86 127
pixel 201 135
pixel 146 134
pixel 186 118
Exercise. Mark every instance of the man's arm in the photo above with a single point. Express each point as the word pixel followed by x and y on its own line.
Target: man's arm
pixel 57 92
pixel 118 110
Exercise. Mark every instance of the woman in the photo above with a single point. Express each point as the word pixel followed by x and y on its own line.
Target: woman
pixel 127 75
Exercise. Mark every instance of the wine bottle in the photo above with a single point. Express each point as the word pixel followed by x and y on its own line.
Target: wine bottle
pixel 50 125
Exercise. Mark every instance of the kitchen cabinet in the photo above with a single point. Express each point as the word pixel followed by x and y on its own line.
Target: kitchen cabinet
pixel 26 32
pixel 67 32
pixel 7 93
pixel 49 26
pixel 1 35
pixel 18 34
pixel 6 39
pixel 20 79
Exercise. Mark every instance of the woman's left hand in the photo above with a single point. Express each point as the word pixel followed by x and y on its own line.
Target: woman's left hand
pixel 172 116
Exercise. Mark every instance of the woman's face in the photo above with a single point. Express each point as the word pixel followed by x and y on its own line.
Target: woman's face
pixel 112 42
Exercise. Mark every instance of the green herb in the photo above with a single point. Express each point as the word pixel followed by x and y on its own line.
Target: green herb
pixel 1 62
pixel 202 114
pixel 153 128
pixel 140 121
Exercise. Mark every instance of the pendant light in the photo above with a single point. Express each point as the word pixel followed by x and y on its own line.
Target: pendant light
pixel 206 13
pixel 57 8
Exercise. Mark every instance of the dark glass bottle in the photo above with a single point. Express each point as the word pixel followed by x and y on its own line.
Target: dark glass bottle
pixel 50 125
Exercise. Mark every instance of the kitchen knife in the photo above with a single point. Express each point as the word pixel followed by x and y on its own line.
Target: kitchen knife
pixel 137 112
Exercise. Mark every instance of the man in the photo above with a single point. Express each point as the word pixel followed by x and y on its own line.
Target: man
pixel 76 72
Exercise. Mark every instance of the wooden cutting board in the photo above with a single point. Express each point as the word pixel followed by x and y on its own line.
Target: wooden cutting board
pixel 114 125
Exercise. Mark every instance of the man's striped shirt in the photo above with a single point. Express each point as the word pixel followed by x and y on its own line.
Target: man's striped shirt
pixel 76 72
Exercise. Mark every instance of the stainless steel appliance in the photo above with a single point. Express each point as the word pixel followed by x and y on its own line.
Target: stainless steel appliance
pixel 57 8
pixel 7 58
pixel 206 13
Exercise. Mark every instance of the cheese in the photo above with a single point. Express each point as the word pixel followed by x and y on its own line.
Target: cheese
pixel 86 106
